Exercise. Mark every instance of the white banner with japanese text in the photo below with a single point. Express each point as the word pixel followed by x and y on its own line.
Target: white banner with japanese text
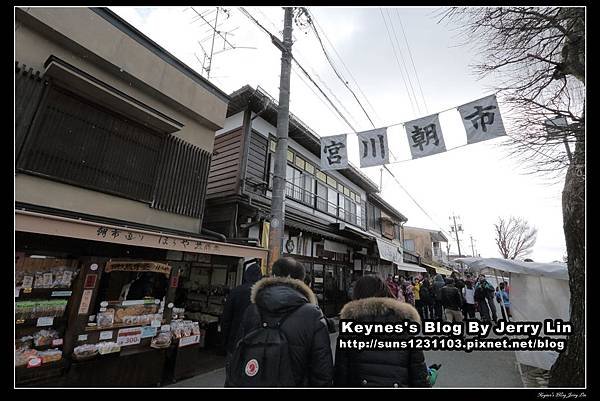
pixel 373 147
pixel 425 136
pixel 482 120
pixel 334 152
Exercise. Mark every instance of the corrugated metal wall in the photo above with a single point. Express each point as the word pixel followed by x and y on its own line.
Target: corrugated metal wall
pixel 182 178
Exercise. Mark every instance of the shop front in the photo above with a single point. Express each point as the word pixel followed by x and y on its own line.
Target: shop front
pixel 111 306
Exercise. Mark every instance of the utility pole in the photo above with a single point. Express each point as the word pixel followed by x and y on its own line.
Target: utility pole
pixel 283 116
pixel 455 229
pixel 472 247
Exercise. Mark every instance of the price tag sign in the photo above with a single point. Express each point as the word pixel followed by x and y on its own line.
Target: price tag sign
pixel 57 341
pixel 45 321
pixel 184 341
pixel 165 327
pixel 129 336
pixel 82 337
pixel 27 282
pixel 106 335
pixel 155 323
pixel 148 331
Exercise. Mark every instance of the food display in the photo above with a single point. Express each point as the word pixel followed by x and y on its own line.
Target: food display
pixel 131 314
pixel 106 319
pixel 50 355
pixel 40 308
pixel 23 355
pixel 45 337
pixel 108 348
pixel 85 351
pixel 56 277
pixel 162 340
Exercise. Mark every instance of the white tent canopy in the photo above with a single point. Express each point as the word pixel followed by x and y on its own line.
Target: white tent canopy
pixel 538 291
pixel 551 270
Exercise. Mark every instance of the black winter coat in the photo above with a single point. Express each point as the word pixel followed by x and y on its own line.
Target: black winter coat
pixel 451 298
pixel 380 368
pixel 305 328
pixel 235 306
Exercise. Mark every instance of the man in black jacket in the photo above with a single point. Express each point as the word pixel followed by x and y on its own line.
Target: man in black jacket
pixel 452 301
pixel 305 327
pixel 235 306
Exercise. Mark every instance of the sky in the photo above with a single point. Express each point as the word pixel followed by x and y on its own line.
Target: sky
pixel 430 72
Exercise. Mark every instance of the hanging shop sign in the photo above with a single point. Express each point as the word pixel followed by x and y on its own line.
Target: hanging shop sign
pixel 153 267
pixel 389 251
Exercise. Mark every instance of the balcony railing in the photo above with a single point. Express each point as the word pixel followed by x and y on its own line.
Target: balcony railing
pixel 314 201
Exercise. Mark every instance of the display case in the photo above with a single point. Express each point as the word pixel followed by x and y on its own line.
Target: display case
pixel 42 298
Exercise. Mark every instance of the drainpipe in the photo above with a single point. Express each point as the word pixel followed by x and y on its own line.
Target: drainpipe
pixel 213 234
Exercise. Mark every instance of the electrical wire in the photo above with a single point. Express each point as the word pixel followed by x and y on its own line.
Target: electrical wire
pixel 412 106
pixel 248 15
pixel 412 61
pixel 403 63
pixel 345 67
pixel 331 63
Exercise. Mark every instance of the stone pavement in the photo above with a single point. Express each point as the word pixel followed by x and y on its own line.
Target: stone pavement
pixel 459 369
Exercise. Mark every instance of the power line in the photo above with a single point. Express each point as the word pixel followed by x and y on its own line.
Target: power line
pixel 331 63
pixel 318 77
pixel 274 38
pixel 403 63
pixel 248 15
pixel 346 68
pixel 412 106
pixel 412 61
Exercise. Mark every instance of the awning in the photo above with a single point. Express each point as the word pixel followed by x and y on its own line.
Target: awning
pixel 318 231
pixel 410 267
pixel 48 224
pixel 440 270
pixel 389 251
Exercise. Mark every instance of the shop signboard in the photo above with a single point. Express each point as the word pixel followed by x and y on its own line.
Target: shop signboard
pixel 129 336
pixel 389 251
pixel 153 267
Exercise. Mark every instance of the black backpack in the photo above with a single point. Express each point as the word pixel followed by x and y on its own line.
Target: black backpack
pixel 262 358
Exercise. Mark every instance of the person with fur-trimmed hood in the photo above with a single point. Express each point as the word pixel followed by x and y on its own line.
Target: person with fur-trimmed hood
pixel 305 327
pixel 373 303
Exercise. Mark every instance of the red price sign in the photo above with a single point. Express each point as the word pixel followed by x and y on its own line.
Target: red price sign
pixel 90 281
pixel 129 336
pixel 175 280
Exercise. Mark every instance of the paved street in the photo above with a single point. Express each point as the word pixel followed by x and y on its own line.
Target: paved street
pixel 459 369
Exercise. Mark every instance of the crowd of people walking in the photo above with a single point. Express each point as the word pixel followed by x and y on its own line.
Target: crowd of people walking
pixel 277 336
pixel 452 298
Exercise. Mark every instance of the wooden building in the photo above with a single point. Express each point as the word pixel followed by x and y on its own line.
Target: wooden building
pixel 335 222
pixel 113 143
